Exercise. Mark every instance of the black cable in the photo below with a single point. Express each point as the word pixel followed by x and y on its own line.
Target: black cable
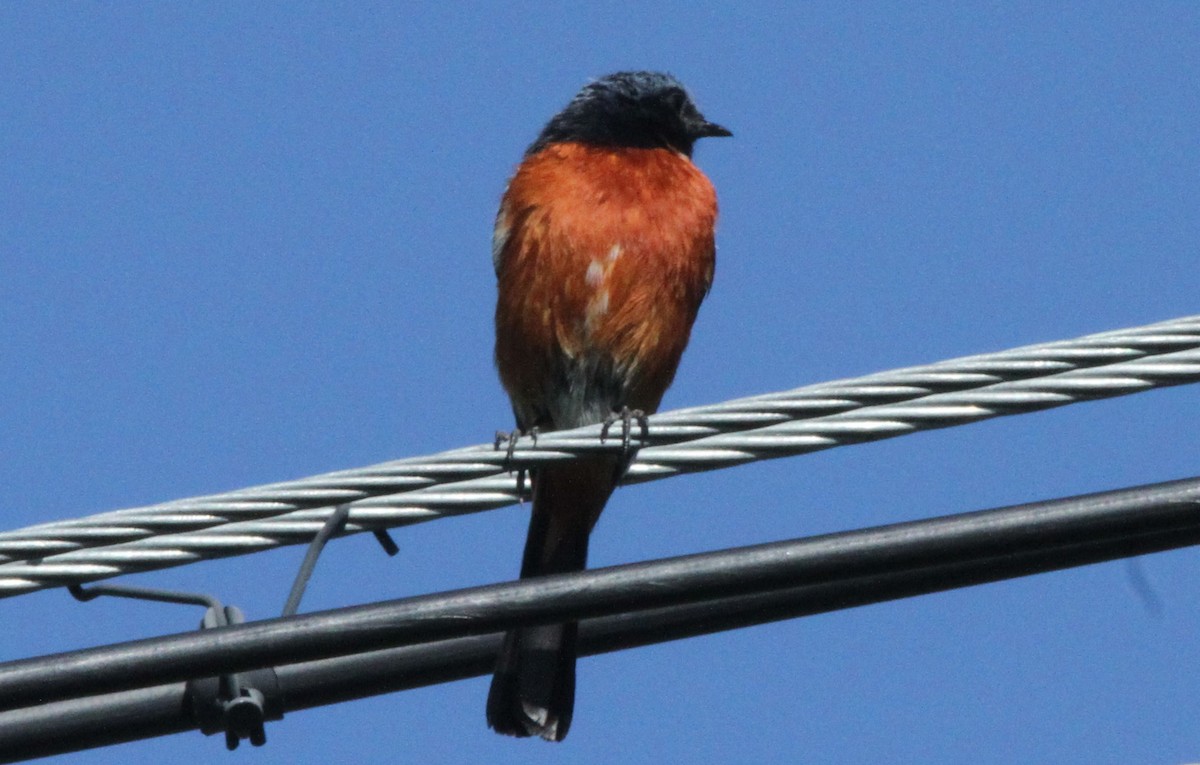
pixel 707 593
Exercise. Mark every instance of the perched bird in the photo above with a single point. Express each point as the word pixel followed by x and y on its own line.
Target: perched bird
pixel 603 249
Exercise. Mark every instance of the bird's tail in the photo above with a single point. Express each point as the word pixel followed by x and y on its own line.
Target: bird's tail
pixel 533 689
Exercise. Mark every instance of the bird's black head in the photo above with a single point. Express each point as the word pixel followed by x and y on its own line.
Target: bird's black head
pixel 635 109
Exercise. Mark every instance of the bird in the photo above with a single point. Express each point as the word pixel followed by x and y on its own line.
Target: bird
pixel 604 248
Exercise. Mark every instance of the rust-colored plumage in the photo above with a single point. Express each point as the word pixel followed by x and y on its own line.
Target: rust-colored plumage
pixel 603 251
pixel 605 254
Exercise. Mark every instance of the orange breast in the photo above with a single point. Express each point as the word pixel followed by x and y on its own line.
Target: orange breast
pixel 602 257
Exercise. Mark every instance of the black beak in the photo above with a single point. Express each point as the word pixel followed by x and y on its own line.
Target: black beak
pixel 712 130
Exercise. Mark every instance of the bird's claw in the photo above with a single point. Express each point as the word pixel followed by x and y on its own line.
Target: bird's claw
pixel 510 438
pixel 626 417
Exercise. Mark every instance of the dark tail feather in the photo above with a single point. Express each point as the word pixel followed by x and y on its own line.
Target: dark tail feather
pixel 533 690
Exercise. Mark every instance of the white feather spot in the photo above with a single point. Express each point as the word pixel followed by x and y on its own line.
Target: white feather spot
pixel 538 715
pixel 595 274
pixel 614 253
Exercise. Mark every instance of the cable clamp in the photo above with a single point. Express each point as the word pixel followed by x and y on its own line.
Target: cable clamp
pixel 237 704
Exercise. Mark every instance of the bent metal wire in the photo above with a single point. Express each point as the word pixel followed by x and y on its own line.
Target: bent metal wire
pixel 472 479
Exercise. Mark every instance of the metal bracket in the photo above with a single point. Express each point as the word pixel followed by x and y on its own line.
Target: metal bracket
pixel 237 704
pixel 333 525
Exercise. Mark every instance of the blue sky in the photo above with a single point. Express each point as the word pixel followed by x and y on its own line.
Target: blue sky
pixel 241 243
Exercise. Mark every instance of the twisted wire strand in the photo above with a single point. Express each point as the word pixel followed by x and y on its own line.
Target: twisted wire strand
pixel 811 418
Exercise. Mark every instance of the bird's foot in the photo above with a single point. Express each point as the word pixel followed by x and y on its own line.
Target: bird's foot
pixel 626 417
pixel 510 438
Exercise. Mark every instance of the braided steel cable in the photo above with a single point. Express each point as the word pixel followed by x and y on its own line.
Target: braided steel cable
pixel 807 419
